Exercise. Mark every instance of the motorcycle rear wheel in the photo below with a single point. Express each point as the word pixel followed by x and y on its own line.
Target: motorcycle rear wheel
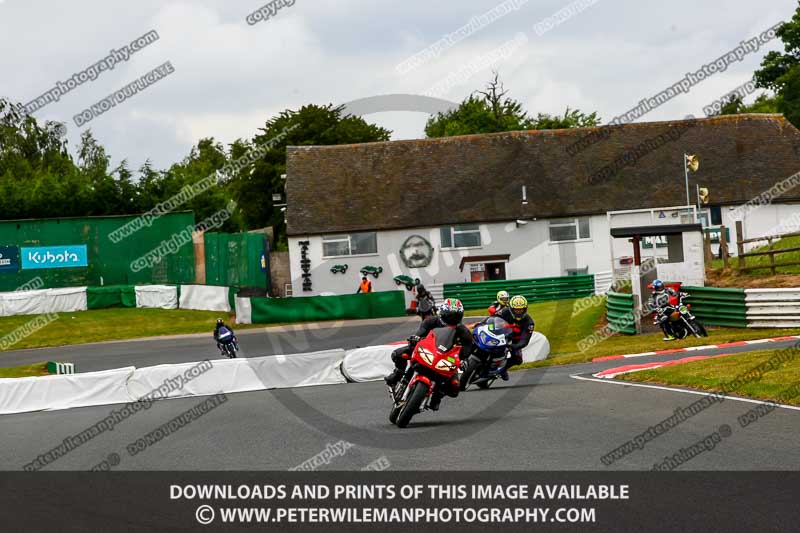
pixel 413 403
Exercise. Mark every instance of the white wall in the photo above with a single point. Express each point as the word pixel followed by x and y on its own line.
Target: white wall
pixel 532 256
pixel 692 270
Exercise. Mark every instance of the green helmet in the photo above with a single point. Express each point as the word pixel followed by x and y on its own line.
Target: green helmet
pixel 503 297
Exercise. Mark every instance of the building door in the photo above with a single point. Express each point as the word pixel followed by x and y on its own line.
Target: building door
pixel 495 271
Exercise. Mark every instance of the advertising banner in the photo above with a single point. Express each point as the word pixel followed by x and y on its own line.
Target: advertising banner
pixel 64 256
pixel 9 258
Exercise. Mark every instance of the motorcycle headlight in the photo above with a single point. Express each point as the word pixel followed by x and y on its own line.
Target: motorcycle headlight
pixel 445 365
pixel 488 340
pixel 426 355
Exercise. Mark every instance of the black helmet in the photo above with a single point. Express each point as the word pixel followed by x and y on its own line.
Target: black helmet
pixel 220 322
pixel 451 311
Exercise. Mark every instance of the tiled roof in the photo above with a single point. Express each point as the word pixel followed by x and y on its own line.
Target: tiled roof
pixel 479 178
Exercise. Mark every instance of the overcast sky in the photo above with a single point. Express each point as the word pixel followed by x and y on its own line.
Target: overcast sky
pixel 231 76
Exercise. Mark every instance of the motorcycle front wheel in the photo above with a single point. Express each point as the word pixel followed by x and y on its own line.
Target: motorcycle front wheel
pixel 485 384
pixel 394 412
pixel 699 328
pixel 466 378
pixel 413 404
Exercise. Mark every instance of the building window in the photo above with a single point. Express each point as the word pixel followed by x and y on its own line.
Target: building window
pixel 352 244
pixel 573 229
pixel 468 236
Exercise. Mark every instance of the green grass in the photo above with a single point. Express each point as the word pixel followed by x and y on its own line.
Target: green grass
pixel 711 374
pixel 114 324
pixel 36 369
pixel 763 260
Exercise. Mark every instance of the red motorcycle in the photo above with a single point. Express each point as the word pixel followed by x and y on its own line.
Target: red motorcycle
pixel 434 362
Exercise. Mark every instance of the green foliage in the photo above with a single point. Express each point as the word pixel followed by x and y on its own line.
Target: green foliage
pixel 310 125
pixel 493 112
pixel 780 72
pixel 763 104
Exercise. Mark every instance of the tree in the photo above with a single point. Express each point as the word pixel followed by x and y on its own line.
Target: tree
pixel 780 72
pixel 253 186
pixel 204 160
pixel 491 111
pixel 763 104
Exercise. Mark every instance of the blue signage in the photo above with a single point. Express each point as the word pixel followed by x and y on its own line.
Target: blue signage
pixel 9 258
pixel 54 256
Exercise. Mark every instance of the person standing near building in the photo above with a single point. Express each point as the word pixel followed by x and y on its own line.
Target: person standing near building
pixel 365 286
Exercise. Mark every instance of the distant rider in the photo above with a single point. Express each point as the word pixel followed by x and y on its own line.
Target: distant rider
pixel 450 314
pixel 221 328
pixel 516 314
pixel 499 304
pixel 659 302
pixel 426 305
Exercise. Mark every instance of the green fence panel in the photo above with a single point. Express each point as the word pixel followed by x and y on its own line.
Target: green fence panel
pixel 110 296
pixel 109 263
pixel 481 294
pixel 718 307
pixel 620 312
pixel 233 260
pixel 317 308
pixel 232 292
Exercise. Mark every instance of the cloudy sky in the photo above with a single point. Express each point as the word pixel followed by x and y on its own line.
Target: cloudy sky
pixel 230 76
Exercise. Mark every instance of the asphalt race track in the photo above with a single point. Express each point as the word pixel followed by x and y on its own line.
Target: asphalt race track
pixel 188 348
pixel 542 419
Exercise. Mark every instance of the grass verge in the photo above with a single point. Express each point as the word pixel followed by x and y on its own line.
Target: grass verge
pixel 712 374
pixel 36 369
pixel 114 324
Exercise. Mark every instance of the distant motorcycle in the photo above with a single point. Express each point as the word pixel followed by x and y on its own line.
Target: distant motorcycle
pixel 683 322
pixel 434 361
pixel 227 343
pixel 489 353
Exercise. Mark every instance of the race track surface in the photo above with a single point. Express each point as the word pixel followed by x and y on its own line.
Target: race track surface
pixel 542 419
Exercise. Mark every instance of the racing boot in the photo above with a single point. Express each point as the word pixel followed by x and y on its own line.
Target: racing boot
pixel 393 378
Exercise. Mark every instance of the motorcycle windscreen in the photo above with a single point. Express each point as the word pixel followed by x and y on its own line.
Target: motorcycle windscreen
pixel 445 338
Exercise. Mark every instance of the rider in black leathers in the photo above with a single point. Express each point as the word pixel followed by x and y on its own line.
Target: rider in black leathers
pixel 659 303
pixel 516 314
pixel 450 314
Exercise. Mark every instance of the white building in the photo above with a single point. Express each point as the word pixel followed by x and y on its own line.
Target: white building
pixel 530 204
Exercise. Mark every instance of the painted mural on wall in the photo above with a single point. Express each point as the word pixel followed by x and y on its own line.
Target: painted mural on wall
pixel 373 271
pixel 416 252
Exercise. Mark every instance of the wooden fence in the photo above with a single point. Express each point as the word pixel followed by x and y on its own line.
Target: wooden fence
pixel 771 252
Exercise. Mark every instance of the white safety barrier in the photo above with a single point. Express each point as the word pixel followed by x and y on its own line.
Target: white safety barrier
pixel 773 308
pixel 538 349
pixel 66 300
pixel 158 296
pixel 204 298
pixel 238 375
pixel 603 282
pixel 370 363
pixel 244 310
pixel 21 395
